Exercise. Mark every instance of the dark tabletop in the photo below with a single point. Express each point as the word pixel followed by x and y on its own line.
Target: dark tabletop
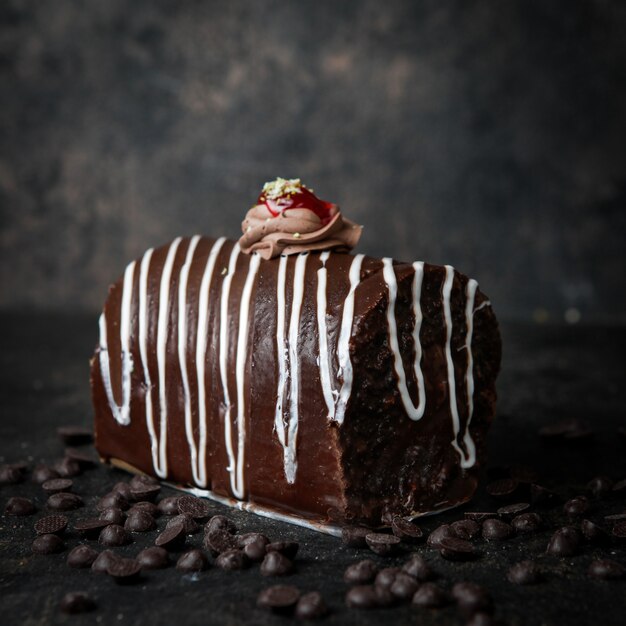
pixel 549 373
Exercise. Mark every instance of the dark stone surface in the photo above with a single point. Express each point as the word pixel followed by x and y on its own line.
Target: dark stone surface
pixel 486 135
pixel 548 373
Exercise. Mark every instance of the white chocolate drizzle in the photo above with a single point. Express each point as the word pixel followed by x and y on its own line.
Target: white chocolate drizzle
pixel 324 364
pixel 121 413
pixel 281 351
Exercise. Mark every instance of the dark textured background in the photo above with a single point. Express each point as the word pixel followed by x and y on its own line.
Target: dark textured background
pixel 489 135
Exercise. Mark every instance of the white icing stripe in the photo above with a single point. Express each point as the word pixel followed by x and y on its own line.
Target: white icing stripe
pixel 162 328
pixel 281 351
pixel 389 275
pixel 182 351
pixel 324 363
pixel 240 367
pixel 121 413
pixel 470 295
pixel 343 345
pixel 144 324
pixel 290 460
pixel 199 457
pixel 482 305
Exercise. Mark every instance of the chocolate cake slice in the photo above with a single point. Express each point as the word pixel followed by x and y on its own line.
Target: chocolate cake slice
pixel 319 386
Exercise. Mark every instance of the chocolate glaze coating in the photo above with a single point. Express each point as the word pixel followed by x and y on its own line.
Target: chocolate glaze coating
pixel 377 463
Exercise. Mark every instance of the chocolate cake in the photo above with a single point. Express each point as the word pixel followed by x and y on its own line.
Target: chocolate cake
pixel 285 375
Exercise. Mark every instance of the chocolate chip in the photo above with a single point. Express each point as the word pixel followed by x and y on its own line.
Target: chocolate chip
pixel 478 516
pixel 64 502
pixel 418 567
pixel 51 525
pixel 138 481
pixel 480 619
pixel 593 532
pixel 68 468
pixel 192 561
pixel 103 560
pixel 288 548
pixel 114 499
pixel 619 486
pixel 605 569
pixel 169 505
pixel 232 560
pixel 220 522
pixel 524 573
pixel 153 558
pixel 139 522
pixel 253 545
pixel 75 435
pixel 496 530
pixel 465 529
pixel 145 507
pixel 361 572
pixel 455 549
pixel 82 556
pixel 404 586
pixel 368 597
pixel 84 459
pixel 526 523
pixel 600 486
pixel 57 485
pixel 386 576
pixel 619 530
pixel 124 571
pixel 76 602
pixel 279 598
pixel 382 544
pixel 311 606
pixel 114 535
pixel 576 506
pixel 276 564
pixel 11 475
pixel 354 536
pixel 430 596
pixel 564 542
pixel 502 488
pixel 406 530
pixel 616 517
pixel 195 507
pixel 113 515
pixel 147 493
pixel 42 473
pixel 19 506
pixel 218 541
pixel 90 527
pixel 471 598
pixel 189 524
pixel 173 535
pixel 48 544
pixel 511 510
pixel 122 488
pixel 540 496
pixel 438 534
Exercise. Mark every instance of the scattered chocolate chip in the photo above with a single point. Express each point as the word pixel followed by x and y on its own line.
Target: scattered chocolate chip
pixel 430 596
pixel 232 560
pixel 438 534
pixel 103 560
pixel 471 598
pixel 279 598
pixel 619 530
pixel 173 535
pixel 496 530
pixel 51 525
pixel 363 597
pixel 386 576
pixel 57 485
pixel 84 459
pixel 10 475
pixel 114 535
pixel 68 468
pixel 616 517
pixel 576 506
pixel 218 541
pixel 455 549
pixel 465 529
pixel 524 573
pixel 189 524
pixel 276 564
pixel 220 522
pixel 526 523
pixel 147 493
pixel 74 435
pixel 195 507
pixel 122 488
pixel 192 561
pixel 253 545
pixel 511 510
pixel 48 544
pixel 418 567
pixel 90 527
pixel 311 606
pixel 619 486
pixel 382 544
pixel 593 532
pixel 142 480
pixel 540 496
pixel 113 515
pixel 360 573
pixel 124 571
pixel 76 602
pixel 404 586
pixel 406 530
pixel 82 556
pixel 480 619
pixel 64 501
pixel 145 507
pixel 354 536
pixel 605 569
pixel 478 516
pixel 42 473
pixel 153 558
pixel 600 486
pixel 139 522
pixel 564 542
pixel 502 488
pixel 169 505
pixel 19 506
pixel 288 548
pixel 114 499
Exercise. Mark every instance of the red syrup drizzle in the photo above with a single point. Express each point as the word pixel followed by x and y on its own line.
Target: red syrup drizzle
pixel 301 199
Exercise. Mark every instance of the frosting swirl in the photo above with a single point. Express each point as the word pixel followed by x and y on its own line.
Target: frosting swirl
pixel 288 219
